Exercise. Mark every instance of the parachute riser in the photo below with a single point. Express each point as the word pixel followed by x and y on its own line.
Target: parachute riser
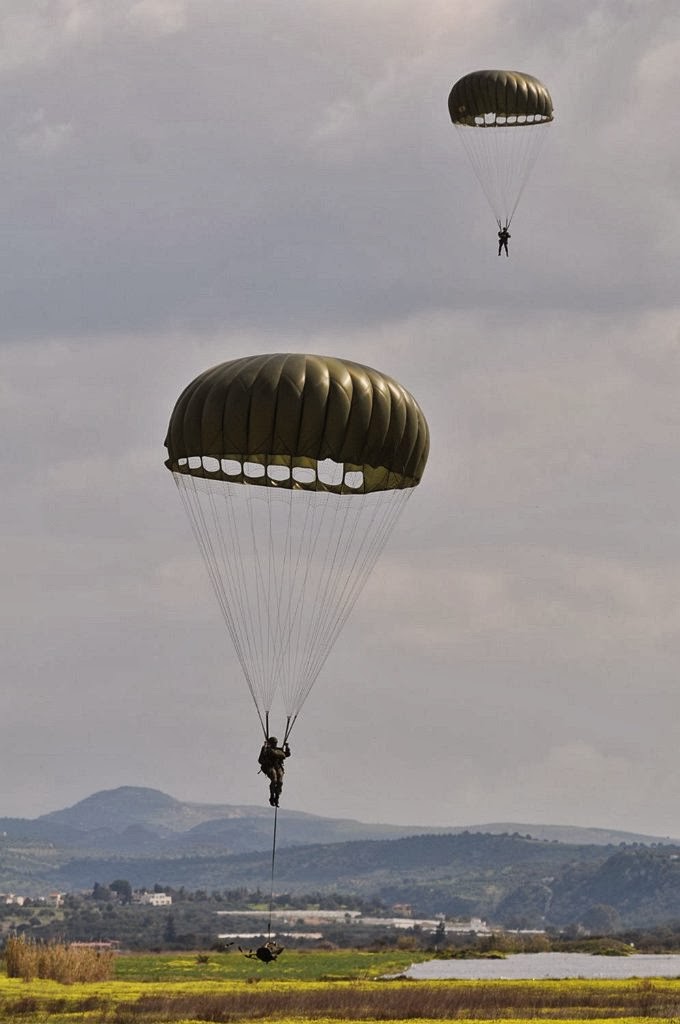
pixel 264 722
pixel 290 722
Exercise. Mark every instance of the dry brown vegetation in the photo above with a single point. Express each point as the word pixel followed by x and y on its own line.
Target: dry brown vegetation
pixel 412 1000
pixel 58 961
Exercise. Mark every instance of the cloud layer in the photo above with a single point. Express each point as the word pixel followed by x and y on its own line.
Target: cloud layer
pixel 186 183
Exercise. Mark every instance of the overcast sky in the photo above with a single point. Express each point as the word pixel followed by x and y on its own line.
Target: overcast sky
pixel 188 181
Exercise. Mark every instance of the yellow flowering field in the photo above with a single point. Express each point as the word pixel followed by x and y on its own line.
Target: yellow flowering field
pixel 320 994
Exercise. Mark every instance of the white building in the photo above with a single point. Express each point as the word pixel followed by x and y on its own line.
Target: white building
pixel 153 899
pixel 320 917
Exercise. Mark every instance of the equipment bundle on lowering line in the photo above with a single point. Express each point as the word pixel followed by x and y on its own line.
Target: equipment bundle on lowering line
pixel 269 950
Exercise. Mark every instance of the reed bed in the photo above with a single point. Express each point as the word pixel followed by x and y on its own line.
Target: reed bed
pixel 411 1001
pixel 57 961
pixel 419 1002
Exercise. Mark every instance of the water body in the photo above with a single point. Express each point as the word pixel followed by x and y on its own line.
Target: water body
pixel 551 965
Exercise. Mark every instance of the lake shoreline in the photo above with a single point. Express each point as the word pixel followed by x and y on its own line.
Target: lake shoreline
pixel 539 966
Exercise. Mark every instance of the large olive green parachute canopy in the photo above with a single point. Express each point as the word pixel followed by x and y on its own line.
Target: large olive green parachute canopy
pixel 486 99
pixel 273 419
pixel 517 108
pixel 334 450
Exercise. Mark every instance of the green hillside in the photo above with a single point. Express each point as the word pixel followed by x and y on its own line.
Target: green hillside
pixel 513 878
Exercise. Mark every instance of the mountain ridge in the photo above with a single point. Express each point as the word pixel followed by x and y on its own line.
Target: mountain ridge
pixel 125 814
pixel 517 874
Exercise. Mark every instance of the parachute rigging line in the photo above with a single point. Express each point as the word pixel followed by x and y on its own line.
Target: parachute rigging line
pixel 502 158
pixel 224 589
pixel 287 567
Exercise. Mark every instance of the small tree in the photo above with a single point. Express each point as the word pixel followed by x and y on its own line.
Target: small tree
pixel 170 931
pixel 123 888
pixel 440 934
pixel 602 919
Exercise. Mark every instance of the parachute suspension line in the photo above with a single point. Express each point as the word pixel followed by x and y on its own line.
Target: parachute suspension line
pixel 259 612
pixel 341 582
pixel 303 599
pixel 502 158
pixel 235 574
pixel 287 566
pixel 317 600
pixel 224 584
pixel 273 581
pixel 527 159
pixel 480 165
pixel 312 597
pixel 373 539
pixel 290 722
pixel 271 890
pixel 317 511
pixel 351 566
pixel 291 625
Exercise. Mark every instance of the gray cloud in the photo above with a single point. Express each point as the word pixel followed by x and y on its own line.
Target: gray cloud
pixel 170 164
pixel 185 183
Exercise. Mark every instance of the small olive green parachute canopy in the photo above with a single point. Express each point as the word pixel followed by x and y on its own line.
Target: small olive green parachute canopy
pixel 273 419
pixel 486 99
pixel 518 109
pixel 335 449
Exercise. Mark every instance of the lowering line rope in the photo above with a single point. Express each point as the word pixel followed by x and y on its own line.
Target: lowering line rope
pixel 271 891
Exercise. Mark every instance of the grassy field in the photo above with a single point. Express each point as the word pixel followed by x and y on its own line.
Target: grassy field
pixel 339 965
pixel 315 987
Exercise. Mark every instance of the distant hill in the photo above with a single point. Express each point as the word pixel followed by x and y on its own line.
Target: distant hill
pixel 124 810
pixel 514 874
pixel 508 880
pixel 569 833
pixel 133 817
pixel 118 809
